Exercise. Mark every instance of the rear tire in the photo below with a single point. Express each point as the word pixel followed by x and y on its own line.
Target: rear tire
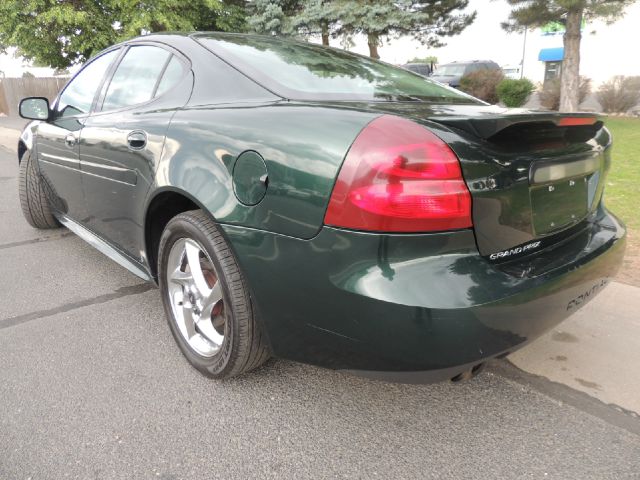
pixel 33 199
pixel 207 301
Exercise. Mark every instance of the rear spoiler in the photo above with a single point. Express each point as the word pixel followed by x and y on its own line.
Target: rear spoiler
pixel 487 126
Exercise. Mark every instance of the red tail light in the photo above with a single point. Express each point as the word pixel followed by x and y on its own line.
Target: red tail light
pixel 399 177
pixel 576 121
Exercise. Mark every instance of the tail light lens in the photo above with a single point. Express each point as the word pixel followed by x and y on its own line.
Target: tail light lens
pixel 399 177
pixel 576 121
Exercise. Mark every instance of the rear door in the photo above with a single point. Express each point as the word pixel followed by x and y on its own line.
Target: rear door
pixel 58 139
pixel 123 140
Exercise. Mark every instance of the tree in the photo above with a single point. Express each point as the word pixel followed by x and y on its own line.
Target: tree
pixel 427 21
pixel 430 60
pixel 571 13
pixel 293 17
pixel 315 17
pixel 61 33
pixel 273 16
pixel 56 33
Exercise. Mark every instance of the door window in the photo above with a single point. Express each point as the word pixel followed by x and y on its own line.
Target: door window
pixel 136 77
pixel 171 76
pixel 77 98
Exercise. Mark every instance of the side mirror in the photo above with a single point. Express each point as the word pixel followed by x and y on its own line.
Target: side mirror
pixel 34 108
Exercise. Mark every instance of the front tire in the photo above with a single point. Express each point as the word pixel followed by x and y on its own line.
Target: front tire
pixel 206 299
pixel 33 199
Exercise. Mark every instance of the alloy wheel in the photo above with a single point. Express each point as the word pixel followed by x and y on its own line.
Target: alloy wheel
pixel 195 295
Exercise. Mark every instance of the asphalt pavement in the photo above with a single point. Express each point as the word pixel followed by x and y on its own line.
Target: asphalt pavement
pixel 92 386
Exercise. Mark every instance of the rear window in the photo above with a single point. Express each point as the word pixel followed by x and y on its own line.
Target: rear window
pixel 305 71
pixel 450 70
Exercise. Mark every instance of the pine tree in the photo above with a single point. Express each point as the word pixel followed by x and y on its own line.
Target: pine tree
pixel 273 17
pixel 426 21
pixel 315 17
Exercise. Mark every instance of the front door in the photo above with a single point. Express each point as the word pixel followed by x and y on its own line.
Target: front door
pixel 58 139
pixel 552 70
pixel 122 142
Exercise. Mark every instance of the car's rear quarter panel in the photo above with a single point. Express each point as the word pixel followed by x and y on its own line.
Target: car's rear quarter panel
pixel 303 148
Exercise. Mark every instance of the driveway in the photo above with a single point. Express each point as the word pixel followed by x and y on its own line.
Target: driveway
pixel 93 386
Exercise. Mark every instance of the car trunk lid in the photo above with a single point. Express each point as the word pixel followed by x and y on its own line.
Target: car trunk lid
pixel 534 177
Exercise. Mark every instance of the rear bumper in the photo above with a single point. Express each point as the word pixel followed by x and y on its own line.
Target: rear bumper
pixel 413 308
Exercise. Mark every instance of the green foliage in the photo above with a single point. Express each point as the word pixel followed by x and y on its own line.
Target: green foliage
pixel 622 194
pixel 482 84
pixel 427 21
pixel 550 93
pixel 315 17
pixel 61 33
pixel 537 13
pixel 431 59
pixel 293 17
pixel 514 93
pixel 272 17
pixel 619 94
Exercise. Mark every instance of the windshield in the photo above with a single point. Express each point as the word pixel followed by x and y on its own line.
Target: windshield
pixel 305 71
pixel 450 70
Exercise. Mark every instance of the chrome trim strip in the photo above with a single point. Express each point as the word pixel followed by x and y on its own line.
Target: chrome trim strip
pixel 108 167
pixel 110 172
pixel 102 246
pixel 75 169
pixel 64 161
pixel 560 171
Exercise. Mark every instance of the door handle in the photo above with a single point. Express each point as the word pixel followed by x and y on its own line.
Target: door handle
pixel 70 140
pixel 137 140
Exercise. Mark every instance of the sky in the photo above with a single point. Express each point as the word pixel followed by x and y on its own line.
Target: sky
pixel 604 49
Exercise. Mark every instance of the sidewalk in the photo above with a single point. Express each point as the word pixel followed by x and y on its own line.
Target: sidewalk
pixel 596 351
pixel 10 129
pixel 15 123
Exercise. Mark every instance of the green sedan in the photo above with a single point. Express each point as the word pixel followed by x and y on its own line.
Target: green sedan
pixel 307 203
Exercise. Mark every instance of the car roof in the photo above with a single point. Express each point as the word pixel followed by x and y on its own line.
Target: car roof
pixel 468 62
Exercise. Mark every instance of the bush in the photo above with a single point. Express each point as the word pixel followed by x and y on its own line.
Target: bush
pixel 482 84
pixel 514 93
pixel 550 94
pixel 619 94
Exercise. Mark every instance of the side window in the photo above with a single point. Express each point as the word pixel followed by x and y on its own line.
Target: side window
pixel 77 97
pixel 171 76
pixel 136 77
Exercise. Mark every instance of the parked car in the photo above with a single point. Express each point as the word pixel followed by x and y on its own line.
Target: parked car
pixel 423 69
pixel 512 71
pixel 315 205
pixel 451 73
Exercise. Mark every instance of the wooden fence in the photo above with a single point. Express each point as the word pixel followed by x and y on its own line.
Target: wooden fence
pixel 12 90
